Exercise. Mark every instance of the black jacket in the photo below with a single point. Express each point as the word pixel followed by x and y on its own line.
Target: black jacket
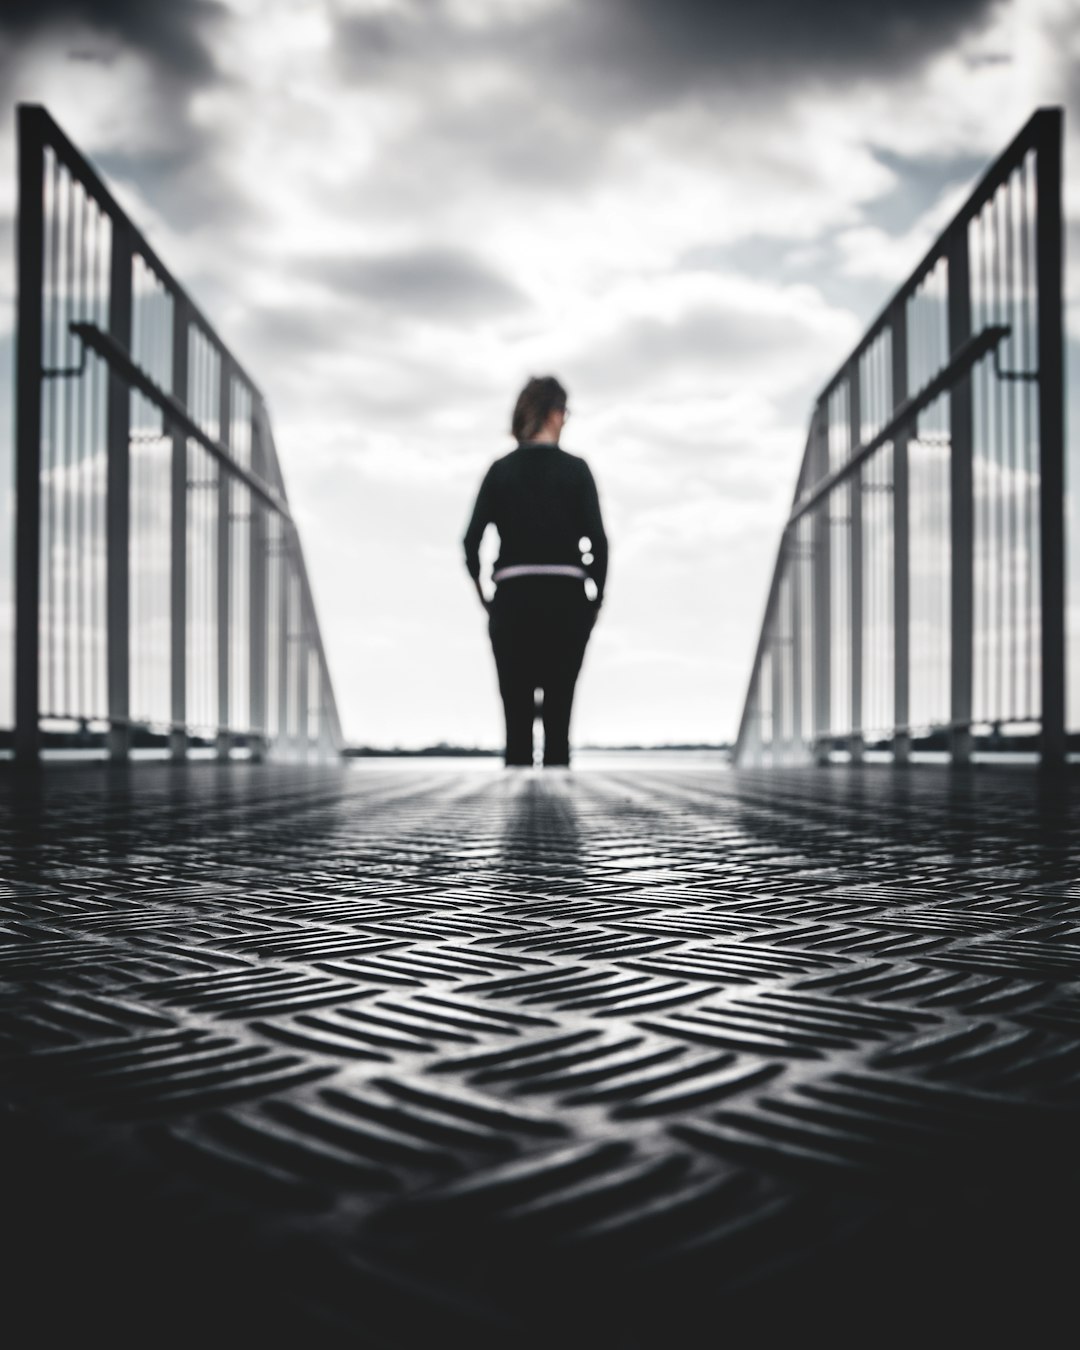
pixel 542 501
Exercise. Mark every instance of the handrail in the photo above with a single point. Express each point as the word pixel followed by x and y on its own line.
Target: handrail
pixel 1039 128
pixel 39 124
pixel 973 350
pixel 111 352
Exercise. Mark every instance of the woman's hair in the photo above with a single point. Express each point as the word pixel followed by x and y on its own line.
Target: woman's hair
pixel 542 396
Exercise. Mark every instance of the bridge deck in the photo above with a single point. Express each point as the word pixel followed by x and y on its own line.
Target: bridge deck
pixel 390 1055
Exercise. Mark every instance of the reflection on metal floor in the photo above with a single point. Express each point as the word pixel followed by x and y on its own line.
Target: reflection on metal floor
pixel 384 1056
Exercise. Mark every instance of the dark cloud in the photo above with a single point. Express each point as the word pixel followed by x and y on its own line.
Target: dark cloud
pixel 608 52
pixel 170 33
pixel 431 283
pixel 580 74
pixel 691 39
pixel 181 165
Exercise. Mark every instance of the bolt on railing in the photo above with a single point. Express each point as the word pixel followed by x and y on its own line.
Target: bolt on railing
pixel 919 587
pixel 160 583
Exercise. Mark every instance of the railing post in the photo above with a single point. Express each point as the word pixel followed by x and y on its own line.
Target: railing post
pixel 798 562
pixel 303 712
pixel 822 607
pixel 322 747
pixel 178 540
pixel 31 264
pixel 285 637
pixel 776 646
pixel 855 537
pixel 224 562
pixel 961 503
pixel 326 741
pixel 257 613
pixel 901 528
pixel 1048 268
pixel 118 500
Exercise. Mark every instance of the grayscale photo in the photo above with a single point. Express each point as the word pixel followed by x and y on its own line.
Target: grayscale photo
pixel 539 673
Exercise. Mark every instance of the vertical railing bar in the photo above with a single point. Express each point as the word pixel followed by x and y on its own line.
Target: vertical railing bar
pixel 164 494
pixel 796 571
pixel 178 549
pixel 257 603
pixel 1026 361
pixel 988 449
pixel 283 639
pixel 237 541
pixel 137 551
pixel 52 453
pixel 944 592
pixel 64 478
pixel 1000 626
pixel 78 570
pixel 118 514
pixel 960 500
pixel 1011 482
pixel 776 674
pixel 200 500
pixel 224 560
pixel 207 468
pixel 855 560
pixel 46 395
pixel 273 618
pixel 988 465
pixel 1004 401
pixel 207 560
pixel 95 367
pixel 57 543
pixel 135 409
pixel 883 714
pixel 980 318
pixel 213 581
pixel 990 458
pixel 822 583
pixel 213 561
pixel 303 727
pixel 1049 283
pixel 197 544
pixel 30 244
pixel 83 492
pixel 194 597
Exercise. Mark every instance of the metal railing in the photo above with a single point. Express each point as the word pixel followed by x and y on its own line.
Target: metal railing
pixel 160 585
pixel 919 587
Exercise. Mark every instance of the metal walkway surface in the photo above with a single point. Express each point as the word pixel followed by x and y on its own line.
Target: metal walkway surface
pixel 616 1058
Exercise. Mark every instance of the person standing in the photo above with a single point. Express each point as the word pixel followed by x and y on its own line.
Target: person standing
pixel 544 504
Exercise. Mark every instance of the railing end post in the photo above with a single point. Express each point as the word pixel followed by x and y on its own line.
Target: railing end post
pixel 118 743
pixel 961 745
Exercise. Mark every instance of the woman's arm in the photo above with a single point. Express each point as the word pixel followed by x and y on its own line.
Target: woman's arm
pixel 480 592
pixel 482 514
pixel 594 528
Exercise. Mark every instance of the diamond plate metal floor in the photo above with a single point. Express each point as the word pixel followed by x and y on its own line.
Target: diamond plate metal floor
pixel 382 1056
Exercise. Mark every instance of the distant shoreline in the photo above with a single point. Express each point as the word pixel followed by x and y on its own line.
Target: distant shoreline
pixel 478 752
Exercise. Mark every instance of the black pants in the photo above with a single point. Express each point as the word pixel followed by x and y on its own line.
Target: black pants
pixel 539 627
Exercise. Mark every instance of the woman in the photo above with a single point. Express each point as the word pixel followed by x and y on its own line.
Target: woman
pixel 543 502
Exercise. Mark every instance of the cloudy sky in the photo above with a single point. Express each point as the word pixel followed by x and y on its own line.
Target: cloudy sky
pixel 395 211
